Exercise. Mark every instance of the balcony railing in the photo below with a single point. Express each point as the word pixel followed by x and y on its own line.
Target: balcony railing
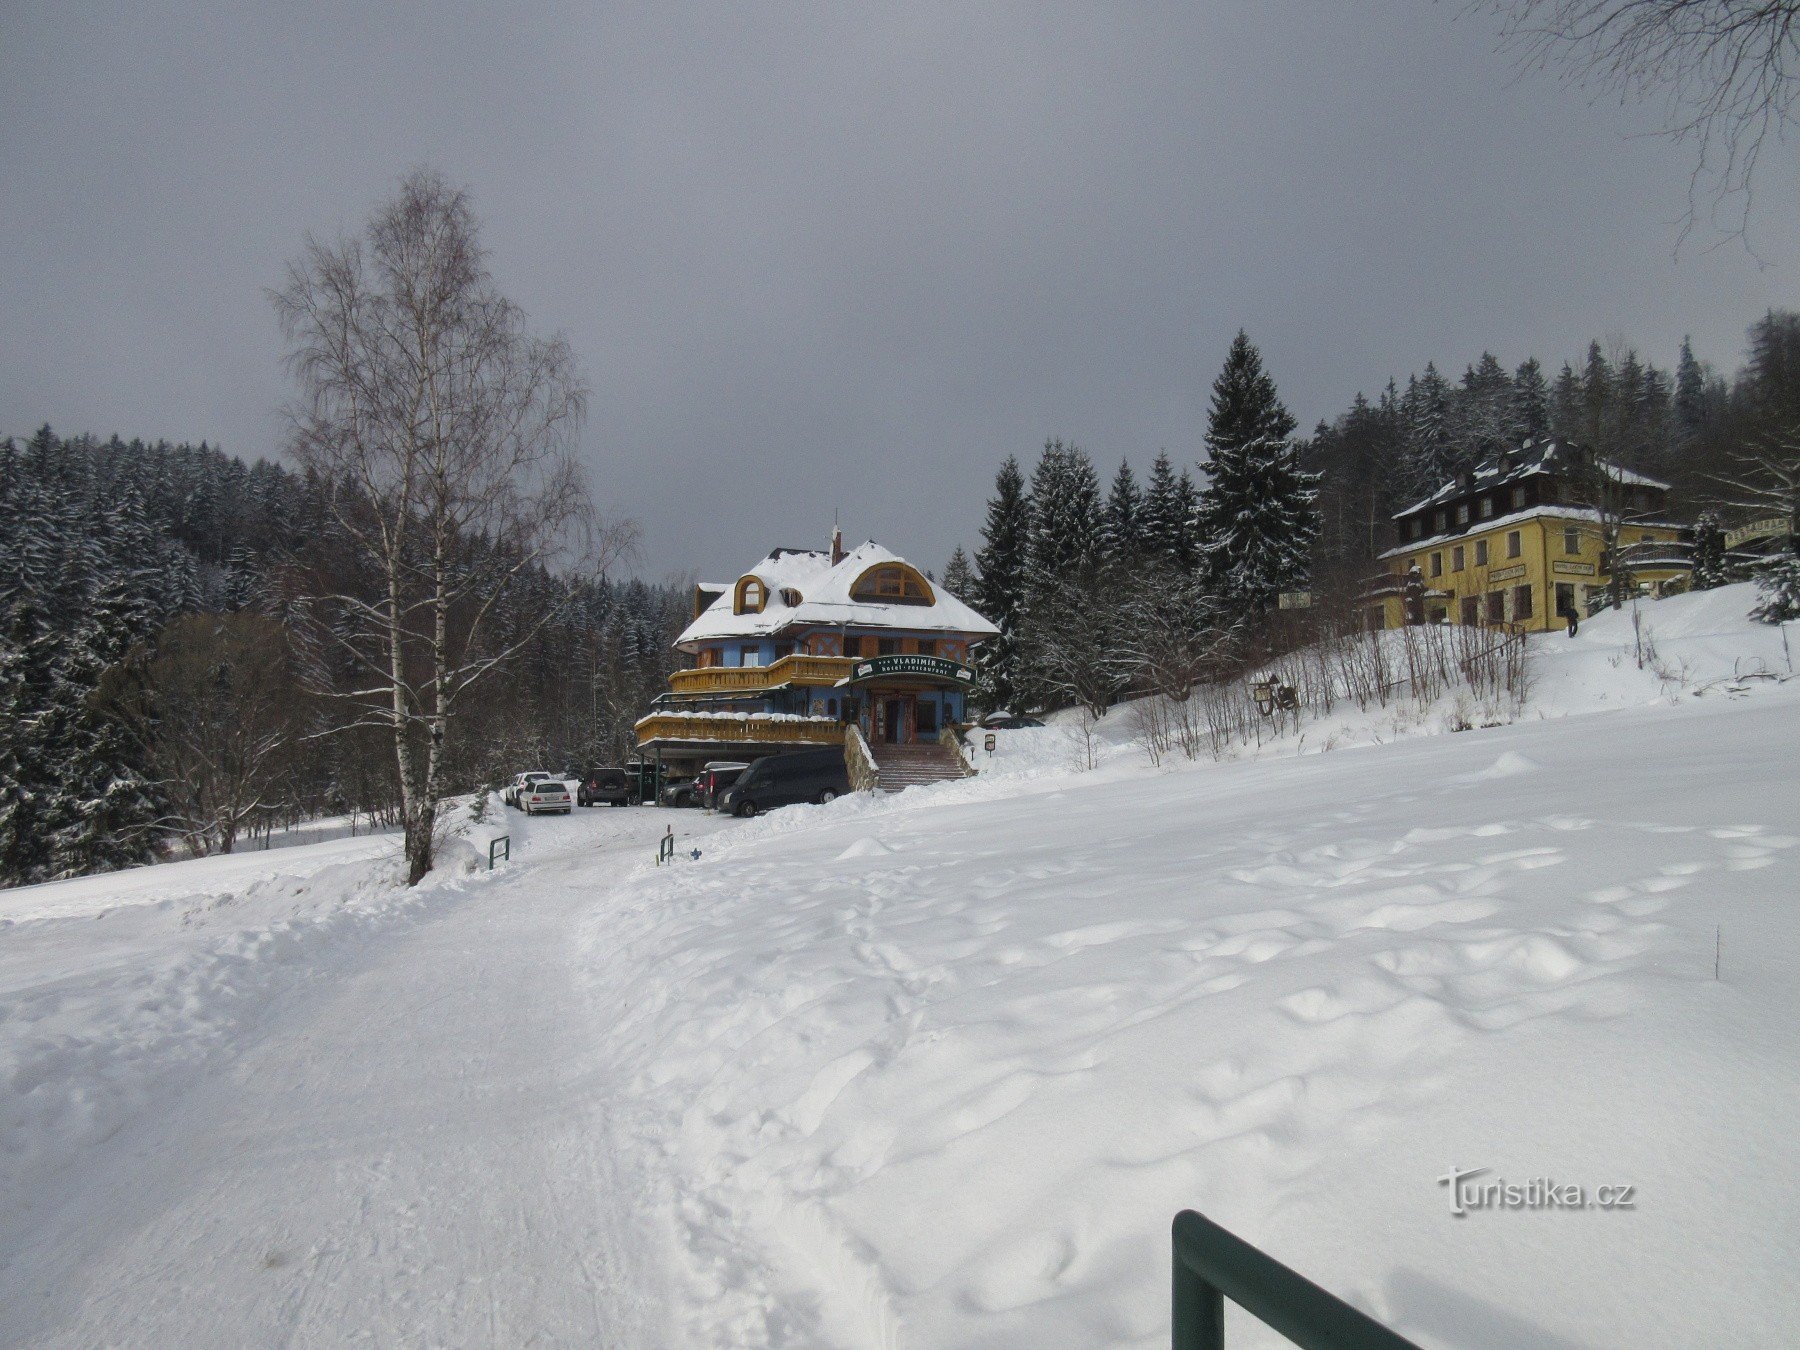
pixel 728 728
pixel 822 671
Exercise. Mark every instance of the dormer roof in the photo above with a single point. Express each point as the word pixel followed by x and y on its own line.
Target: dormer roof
pixel 823 590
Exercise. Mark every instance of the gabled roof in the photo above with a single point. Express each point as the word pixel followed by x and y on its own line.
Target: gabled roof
pixel 1528 460
pixel 824 593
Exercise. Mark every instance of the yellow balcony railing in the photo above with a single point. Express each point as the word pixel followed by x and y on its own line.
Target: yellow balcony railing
pixel 734 729
pixel 819 671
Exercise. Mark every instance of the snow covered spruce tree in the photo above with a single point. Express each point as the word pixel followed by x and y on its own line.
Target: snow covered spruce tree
pixel 1071 629
pixel 959 576
pixel 1709 552
pixel 1122 529
pixel 1258 514
pixel 1167 516
pixel 999 590
pixel 443 434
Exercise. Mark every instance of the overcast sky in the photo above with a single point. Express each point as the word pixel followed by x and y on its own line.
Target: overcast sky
pixel 832 258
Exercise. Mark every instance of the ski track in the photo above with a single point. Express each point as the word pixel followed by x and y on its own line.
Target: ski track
pixel 411 1146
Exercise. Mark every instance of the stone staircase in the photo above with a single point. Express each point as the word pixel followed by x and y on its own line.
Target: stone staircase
pixel 903 766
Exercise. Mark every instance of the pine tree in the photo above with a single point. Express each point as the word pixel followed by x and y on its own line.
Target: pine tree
pixel 999 592
pixel 1709 553
pixel 1258 515
pixel 1066 515
pixel 1530 404
pixel 1191 547
pixel 1164 520
pixel 1596 397
pixel 1778 589
pixel 1122 529
pixel 959 577
pixel 1690 396
pixel 31 711
pixel 1483 413
pixel 1565 406
pixel 1065 622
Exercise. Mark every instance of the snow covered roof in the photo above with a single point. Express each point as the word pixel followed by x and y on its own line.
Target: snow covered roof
pixel 1529 459
pixel 823 592
pixel 1550 512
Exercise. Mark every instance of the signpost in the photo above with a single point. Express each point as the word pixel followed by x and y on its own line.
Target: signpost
pixel 1294 600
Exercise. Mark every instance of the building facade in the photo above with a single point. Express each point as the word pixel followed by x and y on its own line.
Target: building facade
pixel 808 643
pixel 1527 539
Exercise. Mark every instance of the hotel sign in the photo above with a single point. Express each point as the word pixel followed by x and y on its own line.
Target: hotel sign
pixel 1569 569
pixel 1756 529
pixel 932 667
pixel 1507 573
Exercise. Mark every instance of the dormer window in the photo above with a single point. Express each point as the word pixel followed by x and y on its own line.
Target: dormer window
pixel 752 595
pixel 892 583
pixel 790 597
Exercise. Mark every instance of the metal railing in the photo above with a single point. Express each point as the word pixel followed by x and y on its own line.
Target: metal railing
pixel 1212 1265
pixel 665 848
pixel 503 846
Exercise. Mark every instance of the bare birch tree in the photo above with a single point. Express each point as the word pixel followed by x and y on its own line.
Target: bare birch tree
pixel 1727 68
pixel 444 433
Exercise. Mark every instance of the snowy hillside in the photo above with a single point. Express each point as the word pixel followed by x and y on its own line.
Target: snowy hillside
pixel 938 1070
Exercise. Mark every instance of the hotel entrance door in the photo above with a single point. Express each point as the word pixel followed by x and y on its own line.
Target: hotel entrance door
pixel 893 719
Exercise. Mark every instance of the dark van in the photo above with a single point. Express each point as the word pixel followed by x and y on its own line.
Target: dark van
pixel 783 780
pixel 603 785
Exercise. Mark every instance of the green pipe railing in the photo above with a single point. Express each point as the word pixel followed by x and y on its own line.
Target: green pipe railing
pixel 1212 1265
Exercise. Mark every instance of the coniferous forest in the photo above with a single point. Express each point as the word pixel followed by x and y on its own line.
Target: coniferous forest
pixel 163 687
pixel 1165 578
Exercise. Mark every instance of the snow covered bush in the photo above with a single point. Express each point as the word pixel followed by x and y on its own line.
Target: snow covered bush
pixel 1778 590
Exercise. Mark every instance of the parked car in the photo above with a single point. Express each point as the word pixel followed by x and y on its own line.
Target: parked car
pixel 1009 722
pixel 682 792
pixel 783 780
pixel 647 779
pixel 611 786
pixel 545 794
pixel 510 793
pixel 715 778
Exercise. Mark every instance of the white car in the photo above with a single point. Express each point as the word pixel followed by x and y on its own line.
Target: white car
pixel 510 793
pixel 546 794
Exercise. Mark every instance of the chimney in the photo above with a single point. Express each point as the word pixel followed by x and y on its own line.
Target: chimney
pixel 837 546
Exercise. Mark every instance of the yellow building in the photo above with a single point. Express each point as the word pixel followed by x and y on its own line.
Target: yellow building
pixel 1527 539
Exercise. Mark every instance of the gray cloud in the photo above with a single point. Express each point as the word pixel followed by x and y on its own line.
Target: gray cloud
pixel 821 258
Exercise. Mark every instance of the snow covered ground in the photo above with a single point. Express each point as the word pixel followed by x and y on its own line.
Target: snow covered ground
pixel 938 1070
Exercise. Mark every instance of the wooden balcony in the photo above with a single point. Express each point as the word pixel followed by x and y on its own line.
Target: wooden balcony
pixel 728 729
pixel 815 671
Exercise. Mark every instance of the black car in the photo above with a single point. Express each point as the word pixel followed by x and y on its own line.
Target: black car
pixel 1008 722
pixel 714 779
pixel 783 780
pixel 604 785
